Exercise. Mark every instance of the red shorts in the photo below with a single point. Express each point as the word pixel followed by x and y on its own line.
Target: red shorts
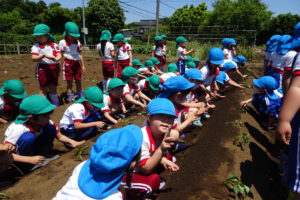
pixel 121 65
pixel 108 69
pixel 47 74
pixel 161 60
pixel 72 70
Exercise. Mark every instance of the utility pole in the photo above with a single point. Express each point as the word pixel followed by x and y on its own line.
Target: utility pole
pixel 157 16
pixel 84 29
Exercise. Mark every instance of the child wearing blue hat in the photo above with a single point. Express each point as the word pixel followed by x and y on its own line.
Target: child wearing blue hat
pixel 266 100
pixel 11 94
pixel 271 46
pixel 182 53
pixel 229 45
pixel 82 119
pixel 114 153
pixel 32 133
pixel 176 89
pixel 158 138
pixel 223 78
pixel 240 61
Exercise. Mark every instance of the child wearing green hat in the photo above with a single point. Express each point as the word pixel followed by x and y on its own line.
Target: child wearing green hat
pixel 32 133
pixel 106 51
pixel 159 52
pixel 11 94
pixel 131 91
pixel 147 69
pixel 197 62
pixel 47 55
pixel 113 100
pixel 182 53
pixel 136 64
pixel 82 119
pixel 157 66
pixel 124 54
pixel 73 65
pixel 171 72
pixel 150 86
pixel 165 47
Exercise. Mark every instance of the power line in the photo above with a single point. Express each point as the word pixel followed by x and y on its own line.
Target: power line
pixel 167 5
pixel 129 9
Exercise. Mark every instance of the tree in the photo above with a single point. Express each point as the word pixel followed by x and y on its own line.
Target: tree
pixel 9 5
pixel 31 11
pixel 104 14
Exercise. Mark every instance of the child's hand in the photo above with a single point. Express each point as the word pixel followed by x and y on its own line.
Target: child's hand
pixel 36 160
pixel 284 132
pixel 167 143
pixel 244 103
pixel 99 124
pixel 3 121
pixel 83 69
pixel 7 147
pixel 75 144
pixel 143 105
pixel 244 76
pixel 50 57
pixel 191 116
pixel 170 166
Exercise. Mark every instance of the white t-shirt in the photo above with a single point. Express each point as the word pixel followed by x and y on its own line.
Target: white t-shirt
pixel 180 51
pixel 109 101
pixel 51 49
pixel 288 59
pixel 207 78
pixel 296 66
pixel 158 51
pixel 123 52
pixel 14 132
pixel 109 48
pixel 1 102
pixel 70 51
pixel 74 113
pixel 277 61
pixel 166 76
pixel 71 190
pixel 268 58
pixel 141 84
pixel 228 54
pixel 130 90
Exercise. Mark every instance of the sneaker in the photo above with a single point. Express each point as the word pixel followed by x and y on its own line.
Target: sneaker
pixel 197 123
pixel 121 115
pixel 206 115
pixel 179 146
pixel 70 98
pixel 162 183
pixel 182 135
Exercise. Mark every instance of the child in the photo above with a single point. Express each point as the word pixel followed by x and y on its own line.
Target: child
pixel 73 65
pixel 113 100
pixel 124 54
pixel 197 62
pixel 223 78
pixel 182 52
pixel 176 89
pixel 158 52
pixel 240 61
pixel 147 69
pixel 114 153
pixel 136 64
pixel 157 66
pixel 271 47
pixel 47 54
pixel 150 86
pixel 229 48
pixel 165 47
pixel 11 94
pixel 131 91
pixel 190 65
pixel 6 158
pixel 171 72
pixel 32 133
pixel 288 124
pixel 158 137
pixel 106 51
pixel 82 119
pixel 265 100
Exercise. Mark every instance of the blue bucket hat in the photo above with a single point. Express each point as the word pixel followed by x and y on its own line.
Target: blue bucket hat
pixel 240 59
pixel 273 43
pixel 161 106
pixel 110 157
pixel 297 30
pixel 216 56
pixel 232 42
pixel 193 74
pixel 225 41
pixel 269 83
pixel 284 44
pixel 222 77
pixel 175 84
pixel 228 66
pixel 295 43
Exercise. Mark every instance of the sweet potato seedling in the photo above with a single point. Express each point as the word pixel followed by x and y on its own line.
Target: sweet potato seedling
pixel 238 123
pixel 241 140
pixel 236 187
pixel 4 196
pixel 80 152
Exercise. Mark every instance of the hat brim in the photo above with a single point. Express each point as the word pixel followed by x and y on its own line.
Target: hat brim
pixel 77 35
pixel 295 43
pixel 188 86
pixel 165 94
pixel 152 87
pixel 18 96
pixel 39 34
pixel 98 105
pixel 256 83
pixel 216 62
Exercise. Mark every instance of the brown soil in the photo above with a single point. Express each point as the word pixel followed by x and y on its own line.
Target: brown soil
pixel 203 166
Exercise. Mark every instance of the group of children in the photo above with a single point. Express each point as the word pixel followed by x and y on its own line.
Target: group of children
pixel 127 162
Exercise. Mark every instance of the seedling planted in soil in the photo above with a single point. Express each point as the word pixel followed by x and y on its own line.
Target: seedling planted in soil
pixel 80 152
pixel 241 140
pixel 3 196
pixel 236 187
pixel 238 123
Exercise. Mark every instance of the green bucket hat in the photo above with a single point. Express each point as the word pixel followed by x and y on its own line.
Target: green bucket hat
pixel 105 35
pixel 155 60
pixel 127 73
pixel 71 29
pixel 196 60
pixel 136 62
pixel 14 88
pixel 172 67
pixel 189 59
pixel 180 39
pixel 41 29
pixel 163 36
pixel 158 38
pixel 115 82
pixel 149 63
pixel 154 82
pixel 94 95
pixel 118 37
pixel 191 64
pixel 33 105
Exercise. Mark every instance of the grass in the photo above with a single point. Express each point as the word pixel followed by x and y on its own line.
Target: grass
pixel 236 187
pixel 4 196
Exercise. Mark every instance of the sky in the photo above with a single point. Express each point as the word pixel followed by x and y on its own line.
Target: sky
pixel 135 10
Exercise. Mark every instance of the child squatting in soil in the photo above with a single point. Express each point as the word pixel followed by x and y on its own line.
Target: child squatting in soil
pixel 82 119
pixel 11 94
pixel 32 133
pixel 158 137
pixel 114 153
pixel 73 65
pixel 47 55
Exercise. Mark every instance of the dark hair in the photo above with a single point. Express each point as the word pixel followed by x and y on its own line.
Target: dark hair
pixel 157 45
pixel 103 44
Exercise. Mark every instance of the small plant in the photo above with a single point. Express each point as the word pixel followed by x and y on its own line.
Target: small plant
pixel 235 186
pixel 241 140
pixel 4 196
pixel 80 152
pixel 238 123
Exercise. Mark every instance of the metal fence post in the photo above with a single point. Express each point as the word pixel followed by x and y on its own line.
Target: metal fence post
pixel 18 48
